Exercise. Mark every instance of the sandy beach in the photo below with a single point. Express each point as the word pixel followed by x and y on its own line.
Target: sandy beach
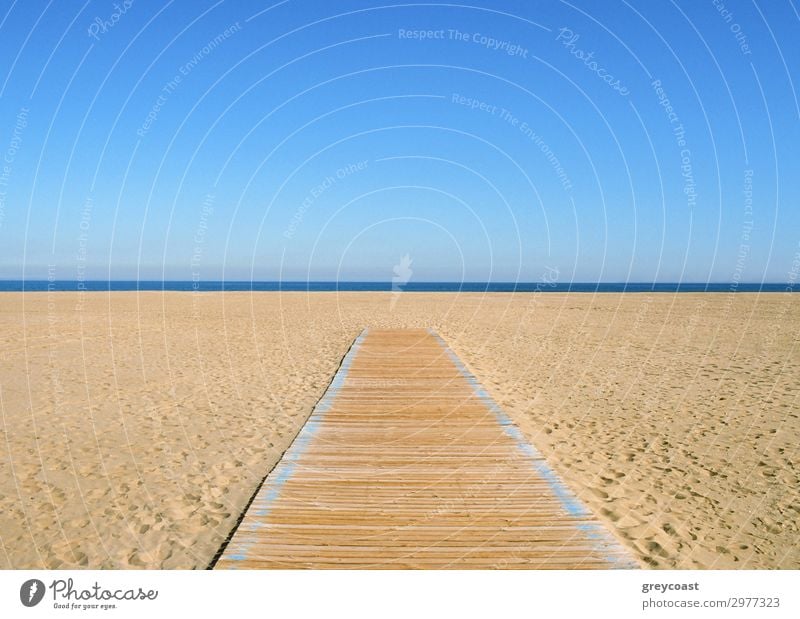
pixel 135 427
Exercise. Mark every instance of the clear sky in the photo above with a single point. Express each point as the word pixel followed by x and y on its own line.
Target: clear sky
pixel 486 140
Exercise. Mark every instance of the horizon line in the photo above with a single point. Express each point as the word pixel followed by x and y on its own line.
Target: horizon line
pixel 419 281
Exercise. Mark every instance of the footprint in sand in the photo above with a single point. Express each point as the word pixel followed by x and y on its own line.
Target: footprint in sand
pixel 654 548
pixel 611 515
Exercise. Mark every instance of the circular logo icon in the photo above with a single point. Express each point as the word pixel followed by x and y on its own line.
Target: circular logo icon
pixel 31 592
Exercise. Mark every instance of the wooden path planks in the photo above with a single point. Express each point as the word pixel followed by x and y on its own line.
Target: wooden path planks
pixel 406 462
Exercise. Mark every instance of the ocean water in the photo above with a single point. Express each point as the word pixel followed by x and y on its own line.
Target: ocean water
pixel 256 286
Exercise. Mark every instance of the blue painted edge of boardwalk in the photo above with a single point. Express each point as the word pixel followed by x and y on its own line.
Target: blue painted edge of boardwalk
pixel 604 543
pixel 283 471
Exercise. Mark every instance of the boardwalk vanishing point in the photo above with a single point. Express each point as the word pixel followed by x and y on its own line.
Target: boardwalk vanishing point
pixel 406 462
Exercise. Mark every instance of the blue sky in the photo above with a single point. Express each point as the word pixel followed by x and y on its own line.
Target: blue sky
pixel 326 140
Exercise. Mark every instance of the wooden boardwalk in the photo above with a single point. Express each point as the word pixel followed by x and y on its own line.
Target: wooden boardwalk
pixel 406 462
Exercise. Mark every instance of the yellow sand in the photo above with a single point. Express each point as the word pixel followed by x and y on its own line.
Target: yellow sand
pixel 135 427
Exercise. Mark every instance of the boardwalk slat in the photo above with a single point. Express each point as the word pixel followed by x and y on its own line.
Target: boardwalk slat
pixel 407 463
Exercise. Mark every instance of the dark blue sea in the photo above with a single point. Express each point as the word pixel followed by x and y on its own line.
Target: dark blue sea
pixel 254 286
